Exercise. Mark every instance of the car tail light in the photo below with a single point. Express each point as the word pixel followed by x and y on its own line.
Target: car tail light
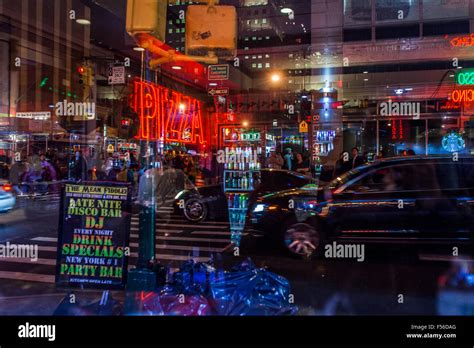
pixel 7 187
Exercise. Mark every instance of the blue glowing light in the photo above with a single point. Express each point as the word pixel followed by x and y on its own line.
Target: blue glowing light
pixel 453 142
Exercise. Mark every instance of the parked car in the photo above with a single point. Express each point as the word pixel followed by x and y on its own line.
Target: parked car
pixel 210 202
pixel 7 199
pixel 407 200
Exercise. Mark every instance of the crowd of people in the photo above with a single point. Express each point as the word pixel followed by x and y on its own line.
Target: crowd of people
pixel 39 173
pixel 294 161
pixel 298 162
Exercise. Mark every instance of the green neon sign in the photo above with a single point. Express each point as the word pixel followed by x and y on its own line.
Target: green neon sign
pixel 465 77
pixel 43 82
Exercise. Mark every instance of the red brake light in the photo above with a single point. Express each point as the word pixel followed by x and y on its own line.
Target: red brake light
pixel 7 187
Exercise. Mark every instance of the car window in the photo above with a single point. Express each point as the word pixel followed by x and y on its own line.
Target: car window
pixel 398 178
pixel 343 179
pixel 384 179
pixel 282 180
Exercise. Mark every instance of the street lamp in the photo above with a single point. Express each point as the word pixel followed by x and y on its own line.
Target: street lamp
pixel 275 77
pixel 83 21
pixel 288 11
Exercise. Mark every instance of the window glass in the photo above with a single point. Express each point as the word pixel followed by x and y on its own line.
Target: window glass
pixel 444 9
pixel 357 12
pixel 381 180
pixel 148 150
pixel 396 11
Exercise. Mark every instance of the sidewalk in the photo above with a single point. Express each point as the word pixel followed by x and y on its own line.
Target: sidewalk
pixel 41 299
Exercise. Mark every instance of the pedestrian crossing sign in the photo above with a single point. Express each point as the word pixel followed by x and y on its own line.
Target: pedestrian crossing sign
pixel 303 127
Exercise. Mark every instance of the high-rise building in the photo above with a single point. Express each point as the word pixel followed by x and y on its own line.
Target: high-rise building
pixel 176 25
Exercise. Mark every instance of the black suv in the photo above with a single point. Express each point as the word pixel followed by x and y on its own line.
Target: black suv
pixel 407 199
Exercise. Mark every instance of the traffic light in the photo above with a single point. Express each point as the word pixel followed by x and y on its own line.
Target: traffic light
pixel 211 29
pixel 147 16
pixel 81 70
pixel 125 123
pixel 86 75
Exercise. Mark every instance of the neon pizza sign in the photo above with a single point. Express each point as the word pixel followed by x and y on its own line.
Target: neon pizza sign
pixel 462 41
pixel 164 113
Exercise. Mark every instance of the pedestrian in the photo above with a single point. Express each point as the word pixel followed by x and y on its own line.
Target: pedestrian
pixel 343 164
pixel 301 164
pixel 357 160
pixel 288 158
pixel 275 161
pixel 122 175
pixel 16 172
pixel 79 167
pixel 48 173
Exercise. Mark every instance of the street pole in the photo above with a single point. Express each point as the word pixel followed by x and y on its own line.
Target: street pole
pixel 142 278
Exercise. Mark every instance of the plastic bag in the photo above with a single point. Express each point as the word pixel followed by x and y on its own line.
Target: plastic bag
pixel 248 290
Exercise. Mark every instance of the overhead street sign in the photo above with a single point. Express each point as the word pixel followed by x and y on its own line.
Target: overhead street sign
pixel 218 91
pixel 116 74
pixel 218 72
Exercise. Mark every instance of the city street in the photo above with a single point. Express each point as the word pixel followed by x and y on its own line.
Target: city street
pixel 320 287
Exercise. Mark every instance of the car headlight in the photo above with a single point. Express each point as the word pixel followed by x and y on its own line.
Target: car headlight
pixel 180 194
pixel 259 208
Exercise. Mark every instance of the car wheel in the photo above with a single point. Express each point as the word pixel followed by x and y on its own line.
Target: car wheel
pixel 302 240
pixel 195 210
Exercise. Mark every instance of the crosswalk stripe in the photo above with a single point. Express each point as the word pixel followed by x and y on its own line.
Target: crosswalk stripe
pixel 48 262
pixel 134 224
pixel 45 239
pixel 133 255
pixel 211 233
pixel 204 223
pixel 182 258
pixel 210 240
pixel 183 247
pixel 189 239
pixel 47 248
pixel 162 230
pixel 158 246
pixel 191 226
pixel 32 277
pixel 178 218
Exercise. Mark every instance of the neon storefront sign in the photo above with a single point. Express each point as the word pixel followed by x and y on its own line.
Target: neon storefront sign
pixel 164 113
pixel 453 142
pixel 462 95
pixel 462 41
pixel 465 77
